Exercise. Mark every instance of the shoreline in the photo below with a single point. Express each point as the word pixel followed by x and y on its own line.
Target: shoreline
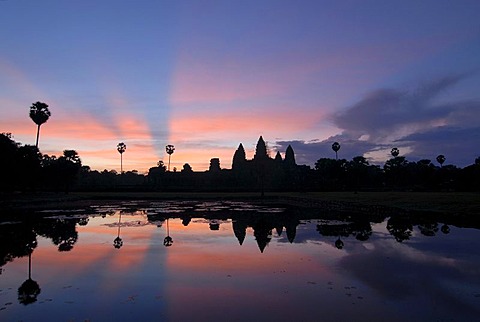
pixel 453 203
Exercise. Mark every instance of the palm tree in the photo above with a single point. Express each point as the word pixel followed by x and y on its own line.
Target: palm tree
pixel 336 147
pixel 39 114
pixel 121 147
pixel 170 149
pixel 395 152
pixel 441 159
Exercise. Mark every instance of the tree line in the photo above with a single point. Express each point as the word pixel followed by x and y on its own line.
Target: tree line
pixel 25 168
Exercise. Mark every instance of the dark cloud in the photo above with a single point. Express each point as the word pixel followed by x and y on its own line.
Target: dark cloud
pixel 387 110
pixel 420 120
pixel 457 144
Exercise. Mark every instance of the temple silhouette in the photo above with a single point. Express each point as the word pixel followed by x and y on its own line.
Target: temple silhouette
pixel 26 169
pixel 261 173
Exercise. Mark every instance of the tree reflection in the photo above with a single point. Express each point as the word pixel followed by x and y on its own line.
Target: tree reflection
pixel 400 228
pixel 445 229
pixel 186 220
pixel 428 228
pixel 118 242
pixel 214 225
pixel 360 229
pixel 16 240
pixel 168 241
pixel 30 289
pixel 62 231
pixel 339 243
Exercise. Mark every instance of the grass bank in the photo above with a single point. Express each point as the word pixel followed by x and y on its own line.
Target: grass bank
pixel 443 202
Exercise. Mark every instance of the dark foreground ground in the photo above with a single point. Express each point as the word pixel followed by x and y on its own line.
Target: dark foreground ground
pixel 453 203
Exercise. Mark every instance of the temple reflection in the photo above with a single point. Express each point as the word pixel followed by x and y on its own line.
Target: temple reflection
pixel 19 239
pixel 214 244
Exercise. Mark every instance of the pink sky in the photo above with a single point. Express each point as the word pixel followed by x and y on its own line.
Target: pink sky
pixel 206 77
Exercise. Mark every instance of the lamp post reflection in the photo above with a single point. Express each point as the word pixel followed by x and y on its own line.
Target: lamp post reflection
pixel 168 241
pixel 118 242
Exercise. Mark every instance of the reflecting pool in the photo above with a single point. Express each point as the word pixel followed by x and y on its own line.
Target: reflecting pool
pixel 236 261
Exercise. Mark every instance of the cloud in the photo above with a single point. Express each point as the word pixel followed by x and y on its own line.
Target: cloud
pixel 387 112
pixel 457 144
pixel 420 121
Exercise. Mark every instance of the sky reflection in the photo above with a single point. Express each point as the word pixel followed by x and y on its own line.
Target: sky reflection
pixel 208 274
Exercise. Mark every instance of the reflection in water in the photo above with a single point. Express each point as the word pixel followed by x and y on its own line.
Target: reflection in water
pixel 339 243
pixel 252 261
pixel 29 290
pixel 118 242
pixel 168 241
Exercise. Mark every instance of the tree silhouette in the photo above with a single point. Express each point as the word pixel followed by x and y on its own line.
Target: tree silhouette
pixel 441 159
pixel 67 168
pixel 121 147
pixel 336 147
pixel 39 114
pixel 187 168
pixel 396 171
pixel 395 152
pixel 8 162
pixel 330 173
pixel 28 163
pixel 170 149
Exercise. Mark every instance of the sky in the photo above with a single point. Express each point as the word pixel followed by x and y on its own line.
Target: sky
pixel 206 76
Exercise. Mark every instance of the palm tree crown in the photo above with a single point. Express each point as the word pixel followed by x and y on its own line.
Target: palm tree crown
pixel 121 147
pixel 441 159
pixel 336 147
pixel 395 152
pixel 39 114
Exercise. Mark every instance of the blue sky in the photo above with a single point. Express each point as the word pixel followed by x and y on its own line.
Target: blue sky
pixel 207 75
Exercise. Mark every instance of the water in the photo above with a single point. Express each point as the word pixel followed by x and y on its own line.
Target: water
pixel 235 261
